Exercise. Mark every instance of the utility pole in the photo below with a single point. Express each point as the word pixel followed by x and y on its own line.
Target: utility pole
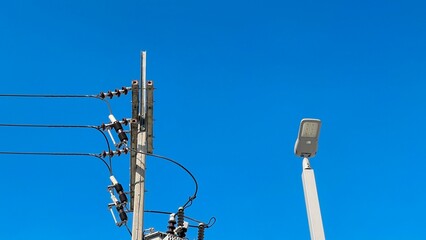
pixel 138 158
pixel 141 140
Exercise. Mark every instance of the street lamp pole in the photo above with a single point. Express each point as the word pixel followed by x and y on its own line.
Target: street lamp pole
pixel 306 146
pixel 312 202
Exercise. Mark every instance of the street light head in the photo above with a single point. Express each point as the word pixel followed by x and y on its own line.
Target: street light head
pixel 307 140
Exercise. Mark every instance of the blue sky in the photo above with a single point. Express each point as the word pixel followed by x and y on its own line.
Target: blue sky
pixel 233 80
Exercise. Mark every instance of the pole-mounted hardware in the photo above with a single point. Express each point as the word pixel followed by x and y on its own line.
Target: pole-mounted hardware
pixel 118 203
pixel 117 92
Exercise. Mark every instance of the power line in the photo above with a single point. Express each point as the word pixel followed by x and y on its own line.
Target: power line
pixel 181 166
pixel 49 95
pixel 210 223
pixel 58 154
pixel 58 96
pixel 47 125
pixel 98 128
pixel 100 96
pixel 120 149
pixel 194 195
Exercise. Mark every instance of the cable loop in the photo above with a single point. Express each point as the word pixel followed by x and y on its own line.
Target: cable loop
pixel 189 202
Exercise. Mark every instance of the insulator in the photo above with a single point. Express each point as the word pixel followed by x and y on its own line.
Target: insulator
pixel 201 228
pixel 125 90
pixel 182 233
pixel 117 125
pixel 117 92
pixel 121 195
pixel 125 150
pixel 114 199
pixel 105 153
pixel 118 128
pixel 124 121
pixel 113 180
pixel 121 213
pixel 118 187
pixel 123 216
pixel 109 94
pixel 180 217
pixel 171 227
pixel 118 152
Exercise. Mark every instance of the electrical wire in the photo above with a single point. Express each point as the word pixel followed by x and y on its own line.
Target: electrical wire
pixel 50 95
pixel 65 126
pixel 128 229
pixel 194 195
pixel 98 128
pixel 211 222
pixel 58 96
pixel 58 154
pixel 159 212
pixel 189 202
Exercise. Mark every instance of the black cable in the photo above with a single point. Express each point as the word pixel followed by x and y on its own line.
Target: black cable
pixel 64 126
pixel 159 212
pixel 101 95
pixel 47 125
pixel 58 154
pixel 181 166
pixel 58 96
pixel 128 229
pixel 209 224
pixel 50 95
pixel 184 168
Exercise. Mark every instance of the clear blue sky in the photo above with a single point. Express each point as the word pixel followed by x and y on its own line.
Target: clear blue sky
pixel 233 80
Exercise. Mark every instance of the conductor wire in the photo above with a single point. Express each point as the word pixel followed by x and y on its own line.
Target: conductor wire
pixel 58 96
pixel 189 202
pixel 66 126
pixel 211 222
pixel 58 154
pixel 194 195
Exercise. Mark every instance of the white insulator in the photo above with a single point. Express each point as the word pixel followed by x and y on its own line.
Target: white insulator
pixel 113 180
pixel 112 118
pixel 114 199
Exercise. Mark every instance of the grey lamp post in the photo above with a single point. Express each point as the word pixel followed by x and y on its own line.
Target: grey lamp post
pixel 306 146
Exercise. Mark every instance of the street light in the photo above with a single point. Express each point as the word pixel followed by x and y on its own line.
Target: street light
pixel 307 141
pixel 307 146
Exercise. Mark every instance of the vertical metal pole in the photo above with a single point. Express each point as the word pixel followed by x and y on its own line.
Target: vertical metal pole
pixel 139 181
pixel 312 203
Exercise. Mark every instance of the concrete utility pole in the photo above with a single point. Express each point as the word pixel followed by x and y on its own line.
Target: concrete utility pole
pixel 137 164
pixel 141 140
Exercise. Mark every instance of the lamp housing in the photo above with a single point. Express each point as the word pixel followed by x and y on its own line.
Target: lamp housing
pixel 307 140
